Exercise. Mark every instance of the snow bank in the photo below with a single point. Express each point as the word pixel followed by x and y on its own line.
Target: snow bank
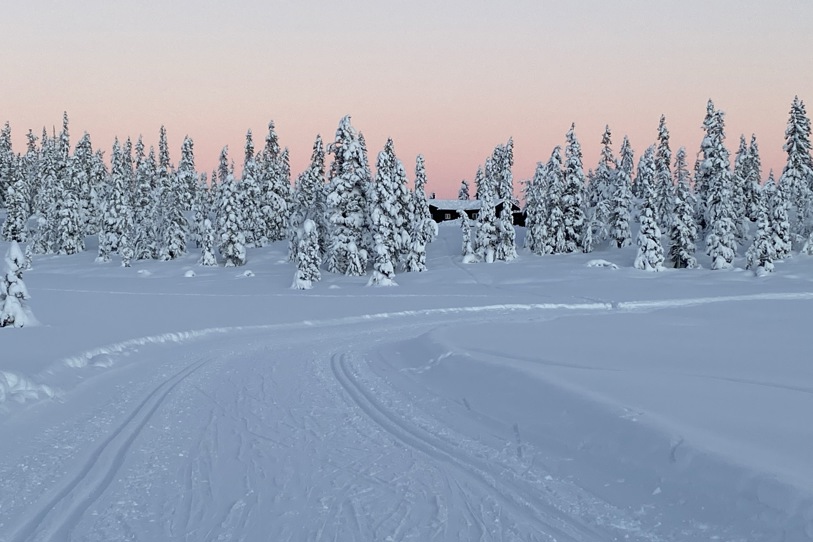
pixel 19 388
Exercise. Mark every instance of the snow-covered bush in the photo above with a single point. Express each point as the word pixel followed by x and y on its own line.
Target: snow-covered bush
pixel 13 293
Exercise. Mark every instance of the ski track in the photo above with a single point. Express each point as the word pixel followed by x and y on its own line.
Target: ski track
pixel 506 488
pixel 53 518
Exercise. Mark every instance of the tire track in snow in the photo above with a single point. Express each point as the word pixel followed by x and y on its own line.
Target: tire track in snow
pixel 56 515
pixel 555 524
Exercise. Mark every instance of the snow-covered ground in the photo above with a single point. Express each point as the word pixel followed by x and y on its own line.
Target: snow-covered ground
pixel 543 399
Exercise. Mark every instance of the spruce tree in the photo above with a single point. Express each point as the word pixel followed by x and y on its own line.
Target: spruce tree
pixel 650 251
pixel 620 213
pixel 777 202
pixel 146 205
pixel 231 240
pixel 250 195
pixel 13 292
pixel 488 232
pixel 14 227
pixel 7 164
pixel 536 213
pixel 467 248
pixel 798 172
pixel 571 202
pixel 506 249
pixel 739 190
pixel 703 164
pixel 309 200
pixel 347 203
pixel 275 183
pixel 683 233
pixel 753 180
pixel 762 252
pixel 600 191
pixel 117 217
pixel 383 217
pixel 424 228
pixel 463 192
pixel 721 244
pixel 664 190
pixel 557 228
pixel 308 256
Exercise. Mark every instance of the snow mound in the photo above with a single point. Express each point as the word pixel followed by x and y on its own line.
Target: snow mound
pixel 21 389
pixel 144 272
pixel 189 274
pixel 246 273
pixel 601 263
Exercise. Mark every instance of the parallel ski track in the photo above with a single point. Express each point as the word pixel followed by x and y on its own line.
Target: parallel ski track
pixel 550 522
pixel 57 514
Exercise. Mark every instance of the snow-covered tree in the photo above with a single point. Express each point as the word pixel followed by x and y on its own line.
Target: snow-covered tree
pixel 275 183
pixel 146 204
pixel 424 228
pixel 599 191
pixel 721 243
pixel 739 190
pixel 536 212
pixel 557 238
pixel 797 175
pixel 14 227
pixel 308 256
pixel 347 203
pixel 13 293
pixel 753 180
pixel 250 194
pixel 650 251
pixel 384 216
pixel 467 248
pixel 777 202
pixel 620 213
pixel 683 233
pixel 762 252
pixel 488 232
pixel 187 178
pixel 7 164
pixel 231 240
pixel 463 192
pixel 664 190
pixel 503 158
pixel 702 166
pixel 571 202
pixel 117 215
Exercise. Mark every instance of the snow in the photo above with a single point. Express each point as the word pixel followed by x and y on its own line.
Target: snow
pixel 548 399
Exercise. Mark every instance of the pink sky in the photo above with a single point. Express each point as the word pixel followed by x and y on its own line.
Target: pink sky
pixel 447 79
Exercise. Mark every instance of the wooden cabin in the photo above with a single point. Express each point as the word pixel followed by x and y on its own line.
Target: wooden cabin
pixel 449 209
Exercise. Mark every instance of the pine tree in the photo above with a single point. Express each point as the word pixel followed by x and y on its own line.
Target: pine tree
pixel 664 190
pixel 463 193
pixel 620 213
pixel 309 200
pixel 275 182
pixel 176 227
pixel 13 292
pixel 82 168
pixel 777 202
pixel 347 203
pixel 146 204
pixel 506 249
pixel 571 202
pixel 703 165
pixel 46 205
pixel 250 195
pixel 187 178
pixel 231 240
pixel 650 251
pixel 683 234
pixel 739 190
pixel 798 172
pixel 721 244
pixel 309 256
pixel 753 180
pixel 761 254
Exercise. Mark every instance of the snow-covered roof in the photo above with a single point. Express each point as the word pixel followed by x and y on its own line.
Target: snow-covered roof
pixel 456 204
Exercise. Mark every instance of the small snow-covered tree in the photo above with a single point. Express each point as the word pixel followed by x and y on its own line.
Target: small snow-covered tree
pixel 467 249
pixel 14 227
pixel 231 240
pixel 13 293
pixel 424 228
pixel 621 206
pixel 761 253
pixel 683 232
pixel 463 193
pixel 309 200
pixel 206 232
pixel 308 256
pixel 777 202
pixel 650 251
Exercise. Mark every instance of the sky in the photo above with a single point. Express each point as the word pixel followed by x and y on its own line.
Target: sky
pixel 448 79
